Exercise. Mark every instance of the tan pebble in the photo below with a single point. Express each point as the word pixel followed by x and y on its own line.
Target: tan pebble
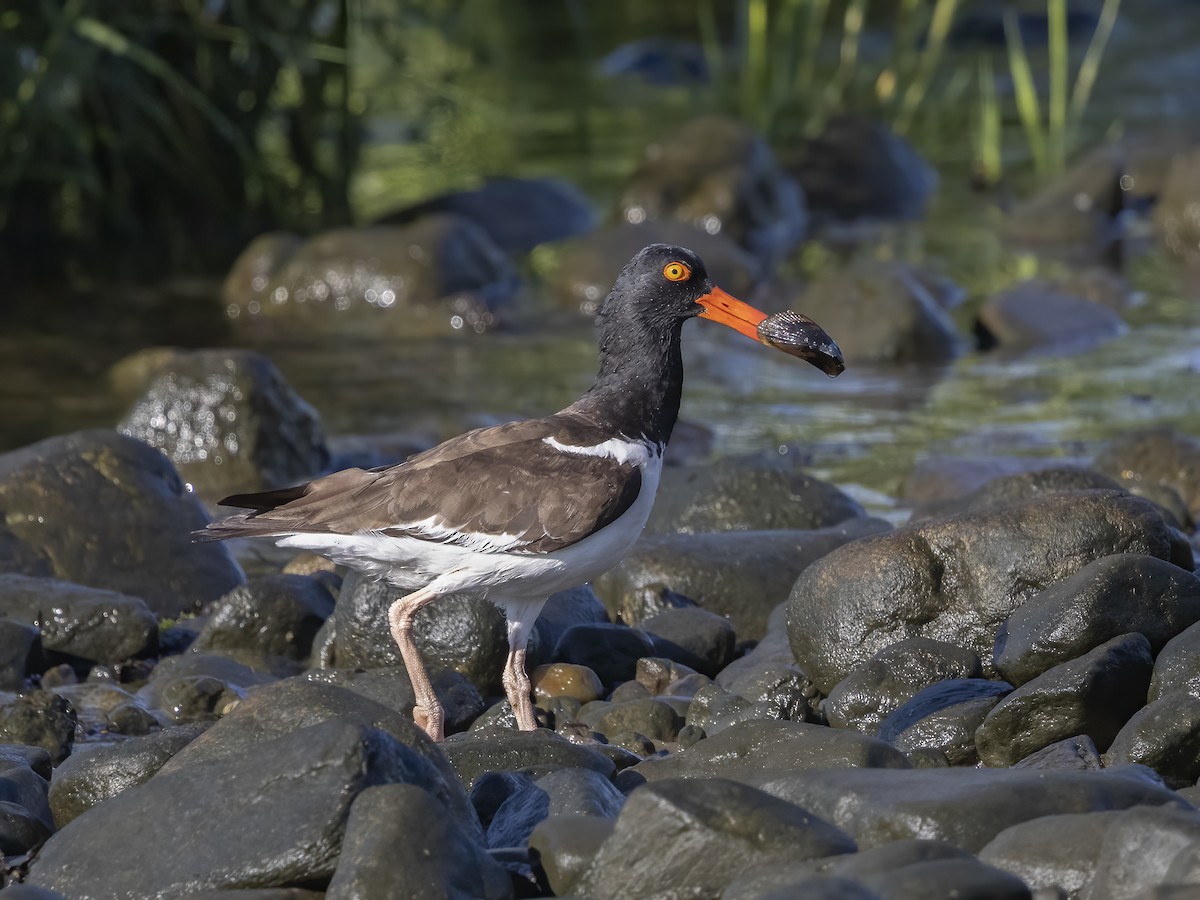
pixel 566 680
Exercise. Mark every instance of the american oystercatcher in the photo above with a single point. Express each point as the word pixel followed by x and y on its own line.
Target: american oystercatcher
pixel 518 511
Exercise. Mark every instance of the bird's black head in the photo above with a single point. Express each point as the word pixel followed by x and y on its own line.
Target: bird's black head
pixel 661 286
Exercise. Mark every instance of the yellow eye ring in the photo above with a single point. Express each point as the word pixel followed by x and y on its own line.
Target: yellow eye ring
pixel 676 271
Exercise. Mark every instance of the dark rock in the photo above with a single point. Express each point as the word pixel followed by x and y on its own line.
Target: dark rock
pixel 1035 314
pixel 93 701
pixel 695 637
pixel 80 625
pixel 534 752
pixel 574 606
pixel 659 61
pixel 961 879
pixel 1145 848
pixel 19 755
pixel 713 709
pixel 20 651
pixel 392 688
pixel 717 174
pixel 272 817
pixel 102 509
pixel 611 651
pixel 944 717
pixel 516 213
pixel 1052 853
pixel 25 818
pixel 282 893
pixel 962 806
pixel 957 579
pixel 464 633
pixel 41 719
pixel 652 717
pixel 1017 488
pixel 1158 458
pixel 860 169
pixel 566 792
pixel 17 891
pixel 744 751
pixel 436 276
pixel 1107 597
pixel 691 838
pixel 584 269
pixel 1177 668
pixel 197 698
pixel 20 830
pixel 1165 735
pixel 881 312
pixel 769 673
pixel 229 422
pixel 399 843
pixel 566 846
pixel 269 616
pixel 740 575
pixel 935 479
pixel 1077 753
pixel 1175 212
pixel 1093 695
pixel 130 719
pixel 160 691
pixel 876 688
pixel 93 776
pixel 251 274
pixel 657 673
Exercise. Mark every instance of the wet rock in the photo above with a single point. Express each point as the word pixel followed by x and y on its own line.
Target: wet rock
pixel 436 276
pixel 934 479
pixel 876 688
pixel 399 843
pixel 1177 667
pixel 573 606
pixel 25 756
pixel 93 701
pixel 1093 695
pixel 881 312
pixel 769 672
pixel 40 719
pixel 101 509
pixel 229 422
pixel 717 174
pixel 229 674
pixel 534 752
pixel 954 878
pixel 18 891
pixel 1175 217
pixel 273 817
pixel 744 751
pixel 944 717
pixel 463 633
pixel 582 271
pixel 95 775
pixel 516 213
pixel 656 719
pixel 1158 458
pixel 860 169
pixel 1076 753
pixel 714 709
pixel 1164 735
pixel 20 652
pixel 1054 853
pixel 693 636
pixel 740 575
pixel 392 688
pixel 611 651
pixel 962 806
pixel 80 625
pixel 20 830
pixel 1107 597
pixel 1018 488
pixel 1035 314
pixel 694 837
pixel 1147 848
pixel 251 273
pixel 566 846
pixel 957 579
pixel 130 719
pixel 566 792
pixel 565 680
pixel 197 698
pixel 25 818
pixel 273 616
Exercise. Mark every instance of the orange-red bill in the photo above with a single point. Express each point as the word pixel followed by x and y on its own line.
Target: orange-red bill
pixel 791 332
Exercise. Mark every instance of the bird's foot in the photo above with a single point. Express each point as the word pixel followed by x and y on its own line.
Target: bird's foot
pixel 526 720
pixel 430 719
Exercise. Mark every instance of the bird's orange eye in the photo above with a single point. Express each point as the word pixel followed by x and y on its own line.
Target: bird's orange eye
pixel 676 271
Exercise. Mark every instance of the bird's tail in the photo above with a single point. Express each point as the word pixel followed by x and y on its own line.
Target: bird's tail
pixel 249 524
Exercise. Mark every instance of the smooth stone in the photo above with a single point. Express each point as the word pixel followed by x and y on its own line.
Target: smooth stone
pixel 876 688
pixel 656 673
pixel 740 575
pixel 566 846
pixel 20 830
pixel 652 717
pixel 1077 753
pixel 692 838
pixel 1146 848
pixel 611 651
pixel 565 792
pixel 573 606
pixel 130 719
pixel 95 507
pixel 93 701
pixel 80 625
pixel 392 688
pixel 25 816
pixel 174 678
pixel 99 773
pixel 1036 314
pixel 966 807
pixel 20 653
pixel 23 755
pixel 944 718
pixel 557 680
pixel 1094 695
pixel 400 844
pixel 40 719
pixel 629 690
pixel 934 480
pixel 693 636
pixel 1177 667
pixel 1110 596
pixel 1164 735
pixel 957 579
pixel 1156 458
pixel 229 422
pixel 960 879
pixel 1019 487
pixel 745 750
pixel 535 753
pixel 1052 853
pixel 714 709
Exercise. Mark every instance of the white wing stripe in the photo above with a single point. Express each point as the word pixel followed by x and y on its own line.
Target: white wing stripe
pixel 434 530
pixel 634 452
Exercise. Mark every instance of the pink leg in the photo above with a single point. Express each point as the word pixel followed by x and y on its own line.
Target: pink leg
pixel 428 712
pixel 520 616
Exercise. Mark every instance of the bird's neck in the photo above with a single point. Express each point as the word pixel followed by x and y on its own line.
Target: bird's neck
pixel 637 392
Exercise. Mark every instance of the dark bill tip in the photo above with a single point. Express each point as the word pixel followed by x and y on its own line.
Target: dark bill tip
pixel 798 335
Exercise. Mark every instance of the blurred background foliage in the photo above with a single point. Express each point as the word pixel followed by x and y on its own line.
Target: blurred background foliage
pixel 140 138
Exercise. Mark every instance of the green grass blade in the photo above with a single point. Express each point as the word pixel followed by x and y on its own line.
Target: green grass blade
pixel 939 29
pixel 1090 67
pixel 1059 50
pixel 988 158
pixel 1028 108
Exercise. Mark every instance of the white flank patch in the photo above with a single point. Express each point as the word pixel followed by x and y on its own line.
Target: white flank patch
pixel 434 530
pixel 635 452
